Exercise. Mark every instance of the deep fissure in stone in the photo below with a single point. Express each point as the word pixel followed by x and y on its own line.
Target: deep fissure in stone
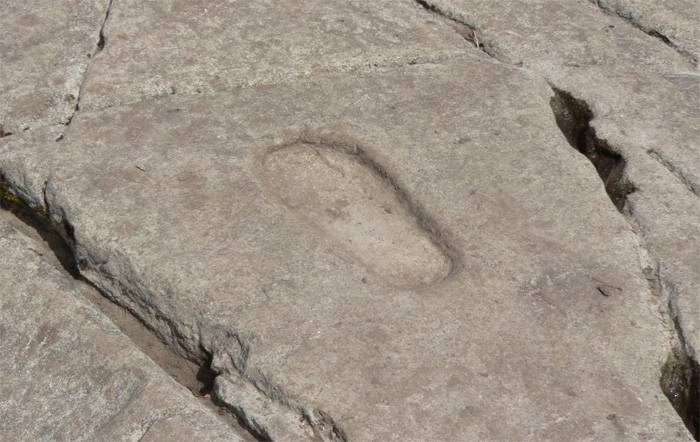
pixel 573 117
pixel 680 382
pixel 680 376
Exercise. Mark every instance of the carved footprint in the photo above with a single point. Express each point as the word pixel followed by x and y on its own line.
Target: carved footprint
pixel 349 199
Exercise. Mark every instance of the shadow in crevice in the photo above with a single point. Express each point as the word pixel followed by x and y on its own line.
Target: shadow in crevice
pixel 573 117
pixel 58 242
pixel 680 376
pixel 680 382
pixel 37 221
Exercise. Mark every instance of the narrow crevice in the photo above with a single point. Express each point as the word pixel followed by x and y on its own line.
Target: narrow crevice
pixel 257 431
pixel 467 31
pixel 659 158
pixel 102 39
pixel 99 46
pixel 629 19
pixel 573 117
pixel 53 244
pixel 37 222
pixel 4 134
pixel 680 375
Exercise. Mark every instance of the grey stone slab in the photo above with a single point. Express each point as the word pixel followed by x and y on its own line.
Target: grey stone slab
pixel 414 253
pixel 69 374
pixel 644 101
pixel 629 79
pixel 677 22
pixel 45 48
pixel 187 47
pixel 552 36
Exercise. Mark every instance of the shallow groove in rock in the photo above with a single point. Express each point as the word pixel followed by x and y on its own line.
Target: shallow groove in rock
pixel 467 31
pixel 654 33
pixel 198 378
pixel 659 158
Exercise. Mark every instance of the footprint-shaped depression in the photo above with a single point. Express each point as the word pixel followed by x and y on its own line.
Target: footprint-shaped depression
pixel 344 196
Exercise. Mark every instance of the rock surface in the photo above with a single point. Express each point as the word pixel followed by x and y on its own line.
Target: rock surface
pixel 204 47
pixel 265 280
pixel 675 22
pixel 70 374
pixel 371 221
pixel 45 48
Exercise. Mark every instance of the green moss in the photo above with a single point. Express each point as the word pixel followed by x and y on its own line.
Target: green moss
pixel 12 202
pixel 8 198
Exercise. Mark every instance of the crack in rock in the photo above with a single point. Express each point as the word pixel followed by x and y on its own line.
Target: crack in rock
pixel 680 176
pixel 217 353
pixel 59 249
pixel 632 21
pixel 99 46
pixel 467 31
pixel 680 376
pixel 102 39
pixel 573 117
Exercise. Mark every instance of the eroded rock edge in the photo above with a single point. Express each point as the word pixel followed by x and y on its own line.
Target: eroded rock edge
pixel 217 352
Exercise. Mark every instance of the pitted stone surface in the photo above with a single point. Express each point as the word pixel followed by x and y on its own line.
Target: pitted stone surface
pixel 69 374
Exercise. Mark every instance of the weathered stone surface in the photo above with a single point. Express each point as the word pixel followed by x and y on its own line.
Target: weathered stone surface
pixel 69 374
pixel 368 228
pixel 676 22
pixel 186 47
pixel 546 39
pixel 543 327
pixel 45 48
pixel 644 100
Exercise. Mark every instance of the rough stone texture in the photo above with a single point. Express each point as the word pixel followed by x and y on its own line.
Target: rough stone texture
pixel 645 102
pixel 45 48
pixel 206 46
pixel 372 230
pixel 676 22
pixel 542 317
pixel 70 374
